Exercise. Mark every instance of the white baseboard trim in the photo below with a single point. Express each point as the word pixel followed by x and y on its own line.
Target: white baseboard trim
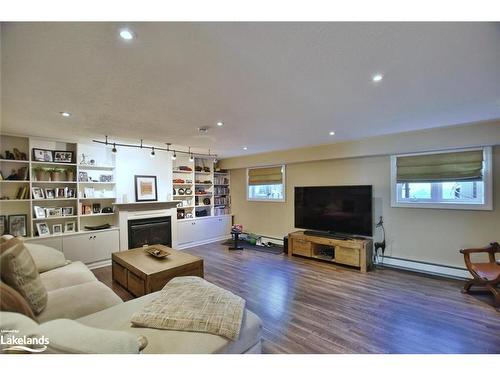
pixel 99 264
pixel 204 242
pixel 433 269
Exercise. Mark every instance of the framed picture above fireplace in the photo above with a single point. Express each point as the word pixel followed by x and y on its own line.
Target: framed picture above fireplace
pixel 145 188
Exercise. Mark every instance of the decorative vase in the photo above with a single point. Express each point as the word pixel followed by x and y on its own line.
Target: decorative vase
pixel 70 175
pixel 55 176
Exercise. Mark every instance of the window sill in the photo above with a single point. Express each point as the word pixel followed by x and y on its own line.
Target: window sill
pixel 445 206
pixel 266 200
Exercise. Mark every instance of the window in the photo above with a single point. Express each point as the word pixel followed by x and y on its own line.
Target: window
pixel 266 184
pixel 451 179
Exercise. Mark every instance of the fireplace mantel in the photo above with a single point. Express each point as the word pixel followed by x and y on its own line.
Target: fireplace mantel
pixel 143 206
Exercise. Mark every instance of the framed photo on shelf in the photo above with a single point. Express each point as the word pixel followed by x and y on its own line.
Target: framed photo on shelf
pixel 17 225
pixel 39 212
pixel 37 192
pixel 60 192
pixel 69 193
pixel 50 193
pixel 86 209
pixel 63 156
pixel 106 178
pixel 96 208
pixel 43 155
pixel 83 176
pixel 43 229
pixel 57 229
pixel 69 227
pixel 3 224
pixel 145 188
pixel 67 211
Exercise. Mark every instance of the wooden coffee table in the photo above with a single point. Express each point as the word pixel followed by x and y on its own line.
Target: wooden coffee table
pixel 141 273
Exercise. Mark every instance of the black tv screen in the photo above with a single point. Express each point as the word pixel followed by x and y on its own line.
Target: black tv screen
pixel 336 209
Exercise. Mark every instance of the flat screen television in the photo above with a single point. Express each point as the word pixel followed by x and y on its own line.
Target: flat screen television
pixel 343 210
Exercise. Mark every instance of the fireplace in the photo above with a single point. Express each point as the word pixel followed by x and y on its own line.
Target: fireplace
pixel 150 231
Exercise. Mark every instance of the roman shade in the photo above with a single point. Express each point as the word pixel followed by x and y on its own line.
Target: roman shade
pixel 449 166
pixel 265 176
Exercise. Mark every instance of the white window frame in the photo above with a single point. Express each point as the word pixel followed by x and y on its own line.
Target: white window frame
pixel 283 181
pixel 487 179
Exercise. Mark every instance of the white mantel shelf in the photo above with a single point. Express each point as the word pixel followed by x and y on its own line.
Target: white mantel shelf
pixel 143 206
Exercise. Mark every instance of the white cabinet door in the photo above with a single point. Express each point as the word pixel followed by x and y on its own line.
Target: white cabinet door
pixel 222 226
pixel 54 242
pixel 106 243
pixel 79 247
pixel 186 232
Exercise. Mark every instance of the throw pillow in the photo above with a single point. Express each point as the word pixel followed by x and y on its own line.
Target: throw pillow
pixel 46 258
pixel 11 300
pixel 18 270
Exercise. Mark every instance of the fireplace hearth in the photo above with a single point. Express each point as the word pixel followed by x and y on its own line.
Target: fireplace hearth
pixel 150 231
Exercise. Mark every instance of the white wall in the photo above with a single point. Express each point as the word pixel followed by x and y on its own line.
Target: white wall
pixel 131 162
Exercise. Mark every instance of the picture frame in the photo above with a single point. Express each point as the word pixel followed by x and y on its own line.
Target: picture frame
pixel 43 229
pixel 17 225
pixel 3 224
pixel 67 211
pixel 70 227
pixel 40 154
pixel 57 229
pixel 145 188
pixel 106 178
pixel 96 208
pixel 53 211
pixel 69 193
pixel 63 156
pixel 37 192
pixel 39 212
pixel 86 209
pixel 83 176
pixel 50 193
pixel 60 192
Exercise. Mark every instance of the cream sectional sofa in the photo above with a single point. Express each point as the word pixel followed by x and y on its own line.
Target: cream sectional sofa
pixel 74 293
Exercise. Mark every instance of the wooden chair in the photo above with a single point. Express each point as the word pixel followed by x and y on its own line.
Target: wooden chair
pixel 485 274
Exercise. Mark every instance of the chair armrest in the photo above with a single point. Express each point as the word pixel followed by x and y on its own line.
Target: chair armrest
pixel 492 249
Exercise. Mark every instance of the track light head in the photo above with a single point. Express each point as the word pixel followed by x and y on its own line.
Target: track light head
pixel 152 152
pixel 174 156
pixel 114 148
pixel 191 158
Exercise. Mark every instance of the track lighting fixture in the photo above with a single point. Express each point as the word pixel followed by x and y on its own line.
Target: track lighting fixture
pixel 191 154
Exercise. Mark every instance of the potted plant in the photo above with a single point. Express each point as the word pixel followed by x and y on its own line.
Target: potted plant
pixel 70 174
pixel 55 174
pixel 40 173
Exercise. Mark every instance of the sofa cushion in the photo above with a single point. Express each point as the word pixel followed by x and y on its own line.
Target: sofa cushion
pixel 11 300
pixel 46 258
pixel 70 337
pixel 18 270
pixel 179 342
pixel 72 274
pixel 78 300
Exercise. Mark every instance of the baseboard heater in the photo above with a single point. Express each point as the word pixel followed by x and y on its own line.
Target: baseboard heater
pixel 423 267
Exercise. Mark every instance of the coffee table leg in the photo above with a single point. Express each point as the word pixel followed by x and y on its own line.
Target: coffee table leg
pixel 235 242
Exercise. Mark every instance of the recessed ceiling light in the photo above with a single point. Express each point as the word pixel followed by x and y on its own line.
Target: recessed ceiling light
pixel 126 34
pixel 377 77
pixel 65 114
pixel 332 133
pixel 245 148
pixel 220 123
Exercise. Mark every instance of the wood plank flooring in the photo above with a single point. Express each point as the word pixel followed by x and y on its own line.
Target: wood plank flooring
pixel 314 307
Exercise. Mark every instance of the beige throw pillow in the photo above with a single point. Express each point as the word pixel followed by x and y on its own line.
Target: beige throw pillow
pixel 46 258
pixel 18 270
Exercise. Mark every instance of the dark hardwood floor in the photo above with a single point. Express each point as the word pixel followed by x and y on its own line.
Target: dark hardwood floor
pixel 314 307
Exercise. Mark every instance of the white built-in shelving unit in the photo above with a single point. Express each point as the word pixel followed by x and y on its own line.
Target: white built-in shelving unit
pixel 76 194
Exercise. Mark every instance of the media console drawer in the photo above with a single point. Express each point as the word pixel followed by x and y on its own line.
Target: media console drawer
pixel 301 247
pixel 347 256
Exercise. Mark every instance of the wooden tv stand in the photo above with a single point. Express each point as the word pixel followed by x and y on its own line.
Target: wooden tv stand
pixel 351 252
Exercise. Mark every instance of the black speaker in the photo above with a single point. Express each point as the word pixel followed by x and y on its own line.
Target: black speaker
pixel 285 244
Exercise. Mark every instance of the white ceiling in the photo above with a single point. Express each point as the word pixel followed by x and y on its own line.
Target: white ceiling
pixel 275 85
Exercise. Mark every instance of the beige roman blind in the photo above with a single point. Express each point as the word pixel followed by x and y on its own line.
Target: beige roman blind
pixel 449 166
pixel 265 176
